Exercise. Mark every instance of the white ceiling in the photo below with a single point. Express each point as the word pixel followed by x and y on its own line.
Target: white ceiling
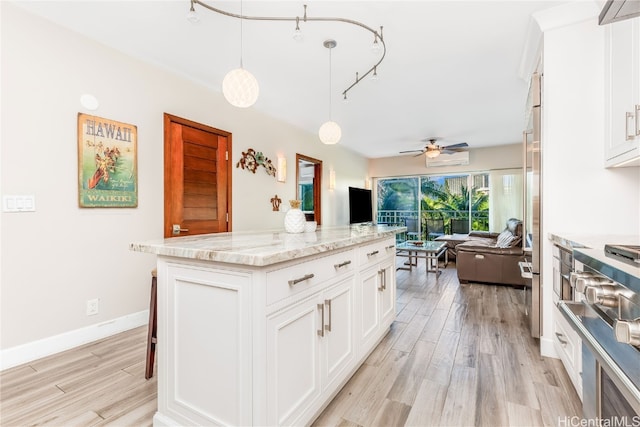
pixel 451 69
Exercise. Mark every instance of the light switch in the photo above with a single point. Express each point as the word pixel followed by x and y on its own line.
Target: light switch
pixel 19 203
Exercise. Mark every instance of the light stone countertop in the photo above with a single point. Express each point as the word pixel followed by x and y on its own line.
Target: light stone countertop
pixel 260 248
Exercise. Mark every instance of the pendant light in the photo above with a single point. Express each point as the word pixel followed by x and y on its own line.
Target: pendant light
pixel 240 87
pixel 330 133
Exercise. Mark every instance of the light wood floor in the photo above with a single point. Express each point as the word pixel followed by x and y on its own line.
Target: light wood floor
pixel 457 355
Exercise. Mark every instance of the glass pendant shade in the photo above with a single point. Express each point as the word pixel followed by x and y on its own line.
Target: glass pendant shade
pixel 240 88
pixel 432 154
pixel 330 133
pixel 192 16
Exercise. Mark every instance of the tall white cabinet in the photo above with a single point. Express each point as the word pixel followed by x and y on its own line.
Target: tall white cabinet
pixel 622 93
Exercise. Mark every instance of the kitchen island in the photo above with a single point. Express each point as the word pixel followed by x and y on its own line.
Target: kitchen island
pixel 264 328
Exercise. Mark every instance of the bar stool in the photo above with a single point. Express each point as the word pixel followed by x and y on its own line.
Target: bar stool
pixel 153 323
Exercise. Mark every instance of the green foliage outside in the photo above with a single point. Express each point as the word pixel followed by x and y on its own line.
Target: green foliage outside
pixel 438 201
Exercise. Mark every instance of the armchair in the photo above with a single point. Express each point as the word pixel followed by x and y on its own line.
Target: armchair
pixel 492 257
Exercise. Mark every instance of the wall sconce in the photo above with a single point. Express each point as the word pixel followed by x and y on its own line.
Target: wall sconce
pixel 332 179
pixel 282 169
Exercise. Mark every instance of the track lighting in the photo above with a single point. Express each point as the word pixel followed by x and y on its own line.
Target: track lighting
pixel 297 34
pixel 192 16
pixel 246 96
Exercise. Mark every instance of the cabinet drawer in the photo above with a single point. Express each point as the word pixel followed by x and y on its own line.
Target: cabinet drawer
pixel 375 252
pixel 291 280
pixel 569 347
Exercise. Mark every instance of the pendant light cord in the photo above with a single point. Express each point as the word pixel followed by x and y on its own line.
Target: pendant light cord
pixel 241 14
pixel 330 117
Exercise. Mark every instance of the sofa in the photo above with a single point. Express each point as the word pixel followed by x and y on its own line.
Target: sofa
pixel 488 257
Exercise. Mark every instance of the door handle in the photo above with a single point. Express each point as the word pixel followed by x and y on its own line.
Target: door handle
pixel 321 330
pixel 328 304
pixel 177 230
pixel 560 338
pixel 630 135
pixel 637 119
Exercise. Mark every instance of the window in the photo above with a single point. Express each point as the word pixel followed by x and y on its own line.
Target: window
pixel 451 204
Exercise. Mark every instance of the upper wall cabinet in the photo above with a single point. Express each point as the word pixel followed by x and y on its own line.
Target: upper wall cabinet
pixel 622 93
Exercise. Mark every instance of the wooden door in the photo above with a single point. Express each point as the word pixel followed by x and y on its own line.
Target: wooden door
pixel 197 178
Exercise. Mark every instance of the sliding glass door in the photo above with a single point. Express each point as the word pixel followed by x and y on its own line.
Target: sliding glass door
pixel 450 204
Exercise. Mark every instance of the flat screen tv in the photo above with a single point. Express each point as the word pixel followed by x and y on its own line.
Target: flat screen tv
pixel 360 206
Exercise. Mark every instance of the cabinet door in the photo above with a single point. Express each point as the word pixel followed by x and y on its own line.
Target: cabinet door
pixel 622 83
pixel 293 351
pixel 338 342
pixel 368 322
pixel 387 294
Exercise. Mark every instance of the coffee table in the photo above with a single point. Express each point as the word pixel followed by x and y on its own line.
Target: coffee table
pixel 452 240
pixel 430 251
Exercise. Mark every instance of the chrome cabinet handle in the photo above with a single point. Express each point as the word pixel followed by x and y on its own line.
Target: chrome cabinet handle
pixel 637 119
pixel 321 330
pixel 381 274
pixel 328 304
pixel 562 341
pixel 390 247
pixel 384 279
pixel 629 116
pixel 373 253
pixel 342 264
pixel 301 279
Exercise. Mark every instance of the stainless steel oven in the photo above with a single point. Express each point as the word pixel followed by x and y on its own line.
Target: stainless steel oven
pixel 605 312
pixel 562 269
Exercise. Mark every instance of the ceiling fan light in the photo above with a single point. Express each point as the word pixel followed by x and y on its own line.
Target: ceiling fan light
pixel 240 88
pixel 432 154
pixel 330 133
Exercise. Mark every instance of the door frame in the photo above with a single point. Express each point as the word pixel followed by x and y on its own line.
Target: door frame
pixel 168 119
pixel 317 184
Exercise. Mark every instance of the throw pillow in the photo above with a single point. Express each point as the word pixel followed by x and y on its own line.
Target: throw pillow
pixel 504 239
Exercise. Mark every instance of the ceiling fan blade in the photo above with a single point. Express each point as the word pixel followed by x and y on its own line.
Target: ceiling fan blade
pixel 455 146
pixel 411 151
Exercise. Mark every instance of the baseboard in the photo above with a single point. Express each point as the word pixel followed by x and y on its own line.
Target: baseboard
pixel 547 348
pixel 26 353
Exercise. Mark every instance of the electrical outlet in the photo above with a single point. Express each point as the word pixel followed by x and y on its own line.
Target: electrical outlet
pixel 93 306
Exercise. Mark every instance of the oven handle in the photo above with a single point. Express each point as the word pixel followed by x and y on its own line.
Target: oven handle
pixel 627 388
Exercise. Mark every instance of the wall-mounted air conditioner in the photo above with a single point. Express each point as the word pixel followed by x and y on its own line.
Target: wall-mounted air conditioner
pixel 455 159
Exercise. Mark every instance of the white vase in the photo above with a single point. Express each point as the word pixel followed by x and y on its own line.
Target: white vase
pixel 294 221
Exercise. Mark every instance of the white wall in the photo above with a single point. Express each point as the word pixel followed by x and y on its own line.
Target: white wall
pixel 55 259
pixel 480 160
pixel 579 194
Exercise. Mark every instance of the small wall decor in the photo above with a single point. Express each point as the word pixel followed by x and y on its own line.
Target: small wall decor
pixel 107 163
pixel 275 202
pixel 251 159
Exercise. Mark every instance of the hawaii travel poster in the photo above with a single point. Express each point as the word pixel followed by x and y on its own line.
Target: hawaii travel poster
pixel 107 163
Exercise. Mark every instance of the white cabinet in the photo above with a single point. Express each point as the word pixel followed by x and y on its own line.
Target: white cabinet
pixel 310 348
pixel 622 93
pixel 566 341
pixel 569 346
pixel 267 345
pixel 376 292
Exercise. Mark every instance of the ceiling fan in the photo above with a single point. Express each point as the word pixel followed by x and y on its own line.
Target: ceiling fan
pixel 432 150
